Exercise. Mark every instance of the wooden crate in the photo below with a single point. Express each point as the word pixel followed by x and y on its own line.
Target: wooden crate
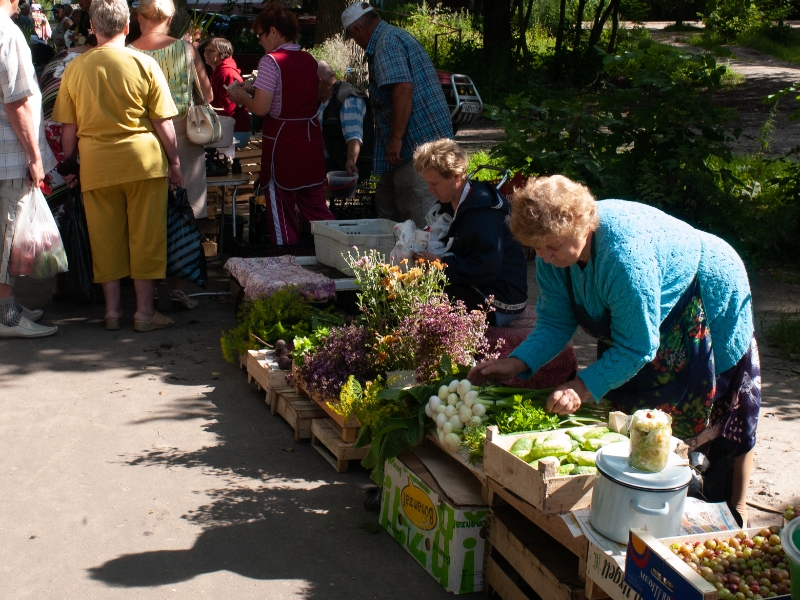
pixel 298 411
pixel 273 397
pixel 552 524
pixel 523 561
pixel 266 377
pixel 333 448
pixel 349 426
pixel 542 487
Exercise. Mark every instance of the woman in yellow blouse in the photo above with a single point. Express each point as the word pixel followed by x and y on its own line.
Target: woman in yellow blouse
pixel 117 103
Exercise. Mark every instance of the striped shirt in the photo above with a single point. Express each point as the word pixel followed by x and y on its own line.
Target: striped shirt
pixel 17 82
pixel 352 117
pixel 395 56
pixel 269 79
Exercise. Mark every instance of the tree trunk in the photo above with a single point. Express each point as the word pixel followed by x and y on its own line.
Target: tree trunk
pixel 329 19
pixel 496 28
pixel 680 8
pixel 579 25
pixel 612 40
pixel 601 15
pixel 523 19
pixel 562 16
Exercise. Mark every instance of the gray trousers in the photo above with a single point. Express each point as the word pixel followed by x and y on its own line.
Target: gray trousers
pixel 402 194
pixel 12 191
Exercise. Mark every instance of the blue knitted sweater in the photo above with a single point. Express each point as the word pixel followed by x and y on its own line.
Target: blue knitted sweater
pixel 644 261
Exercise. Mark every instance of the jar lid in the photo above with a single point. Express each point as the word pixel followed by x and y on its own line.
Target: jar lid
pixel 612 461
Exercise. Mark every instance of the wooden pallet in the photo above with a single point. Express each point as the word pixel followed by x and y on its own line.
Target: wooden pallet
pixel 266 378
pixel 333 448
pixel 298 411
pixel 523 562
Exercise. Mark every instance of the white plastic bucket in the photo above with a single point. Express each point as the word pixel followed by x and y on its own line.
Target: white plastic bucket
pixel 790 540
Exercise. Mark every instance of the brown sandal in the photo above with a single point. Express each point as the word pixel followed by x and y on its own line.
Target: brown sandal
pixel 112 323
pixel 158 321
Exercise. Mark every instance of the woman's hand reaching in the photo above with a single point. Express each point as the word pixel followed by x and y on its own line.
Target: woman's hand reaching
pixel 504 368
pixel 567 398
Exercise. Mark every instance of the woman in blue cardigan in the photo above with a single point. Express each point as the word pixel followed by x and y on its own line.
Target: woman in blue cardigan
pixel 671 310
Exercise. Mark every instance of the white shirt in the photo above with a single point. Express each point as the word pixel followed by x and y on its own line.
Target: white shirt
pixel 463 197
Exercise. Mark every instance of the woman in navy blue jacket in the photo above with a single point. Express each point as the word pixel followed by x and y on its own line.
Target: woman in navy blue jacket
pixel 484 259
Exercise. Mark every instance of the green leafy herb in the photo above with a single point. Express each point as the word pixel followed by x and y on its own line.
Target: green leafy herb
pixel 474 437
pixel 525 415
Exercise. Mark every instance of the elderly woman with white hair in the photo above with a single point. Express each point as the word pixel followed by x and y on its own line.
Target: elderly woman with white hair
pixel 116 101
pixel 655 293
pixel 484 260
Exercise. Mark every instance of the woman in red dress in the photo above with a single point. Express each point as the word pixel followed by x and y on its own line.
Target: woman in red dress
pixel 285 94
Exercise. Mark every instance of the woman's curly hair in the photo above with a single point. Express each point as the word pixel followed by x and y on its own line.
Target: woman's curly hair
pixel 555 206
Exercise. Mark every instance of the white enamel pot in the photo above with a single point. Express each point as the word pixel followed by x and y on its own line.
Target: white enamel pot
pixel 625 498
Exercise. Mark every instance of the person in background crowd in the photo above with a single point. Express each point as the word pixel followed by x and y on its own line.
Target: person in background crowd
pixel 348 127
pixel 49 83
pixel 116 101
pixel 484 259
pixel 410 109
pixel 285 93
pixel 41 26
pixel 24 159
pixel 172 55
pixel 24 19
pixel 62 13
pixel 218 55
pixel 82 22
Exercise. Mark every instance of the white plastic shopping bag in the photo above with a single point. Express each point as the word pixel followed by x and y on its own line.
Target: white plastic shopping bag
pixel 439 225
pixel 37 250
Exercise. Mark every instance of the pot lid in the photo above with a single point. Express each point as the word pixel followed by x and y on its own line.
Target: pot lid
pixel 612 461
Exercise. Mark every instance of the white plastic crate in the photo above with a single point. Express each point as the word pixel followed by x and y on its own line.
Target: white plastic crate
pixel 334 238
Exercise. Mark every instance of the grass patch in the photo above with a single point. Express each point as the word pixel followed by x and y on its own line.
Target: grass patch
pixel 707 42
pixel 783 43
pixel 785 335
pixel 731 78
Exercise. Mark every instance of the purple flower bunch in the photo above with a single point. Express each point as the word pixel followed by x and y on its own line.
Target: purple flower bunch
pixel 442 327
pixel 347 351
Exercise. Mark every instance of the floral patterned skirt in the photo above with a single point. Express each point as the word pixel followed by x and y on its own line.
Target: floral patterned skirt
pixel 681 380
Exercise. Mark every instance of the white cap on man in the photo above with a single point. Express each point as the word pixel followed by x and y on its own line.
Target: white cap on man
pixel 354 12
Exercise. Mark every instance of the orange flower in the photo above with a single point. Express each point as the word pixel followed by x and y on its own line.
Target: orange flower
pixel 404 261
pixel 391 296
pixel 382 356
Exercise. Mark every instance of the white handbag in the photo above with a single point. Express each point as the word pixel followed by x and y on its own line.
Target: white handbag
pixel 202 123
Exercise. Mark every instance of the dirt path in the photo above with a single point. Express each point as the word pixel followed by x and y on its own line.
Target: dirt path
pixel 763 75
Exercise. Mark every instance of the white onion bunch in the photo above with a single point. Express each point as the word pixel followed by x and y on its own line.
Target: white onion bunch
pixel 454 407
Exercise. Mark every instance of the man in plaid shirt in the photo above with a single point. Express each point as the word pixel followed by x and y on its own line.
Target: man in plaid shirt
pixel 24 159
pixel 410 109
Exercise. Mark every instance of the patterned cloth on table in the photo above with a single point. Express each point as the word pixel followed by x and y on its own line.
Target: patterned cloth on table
pixel 262 277
pixel 395 56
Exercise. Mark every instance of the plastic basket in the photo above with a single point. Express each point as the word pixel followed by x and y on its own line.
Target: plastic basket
pixel 332 239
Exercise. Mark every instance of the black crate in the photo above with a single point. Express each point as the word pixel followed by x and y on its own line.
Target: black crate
pixel 362 206
pixel 245 250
